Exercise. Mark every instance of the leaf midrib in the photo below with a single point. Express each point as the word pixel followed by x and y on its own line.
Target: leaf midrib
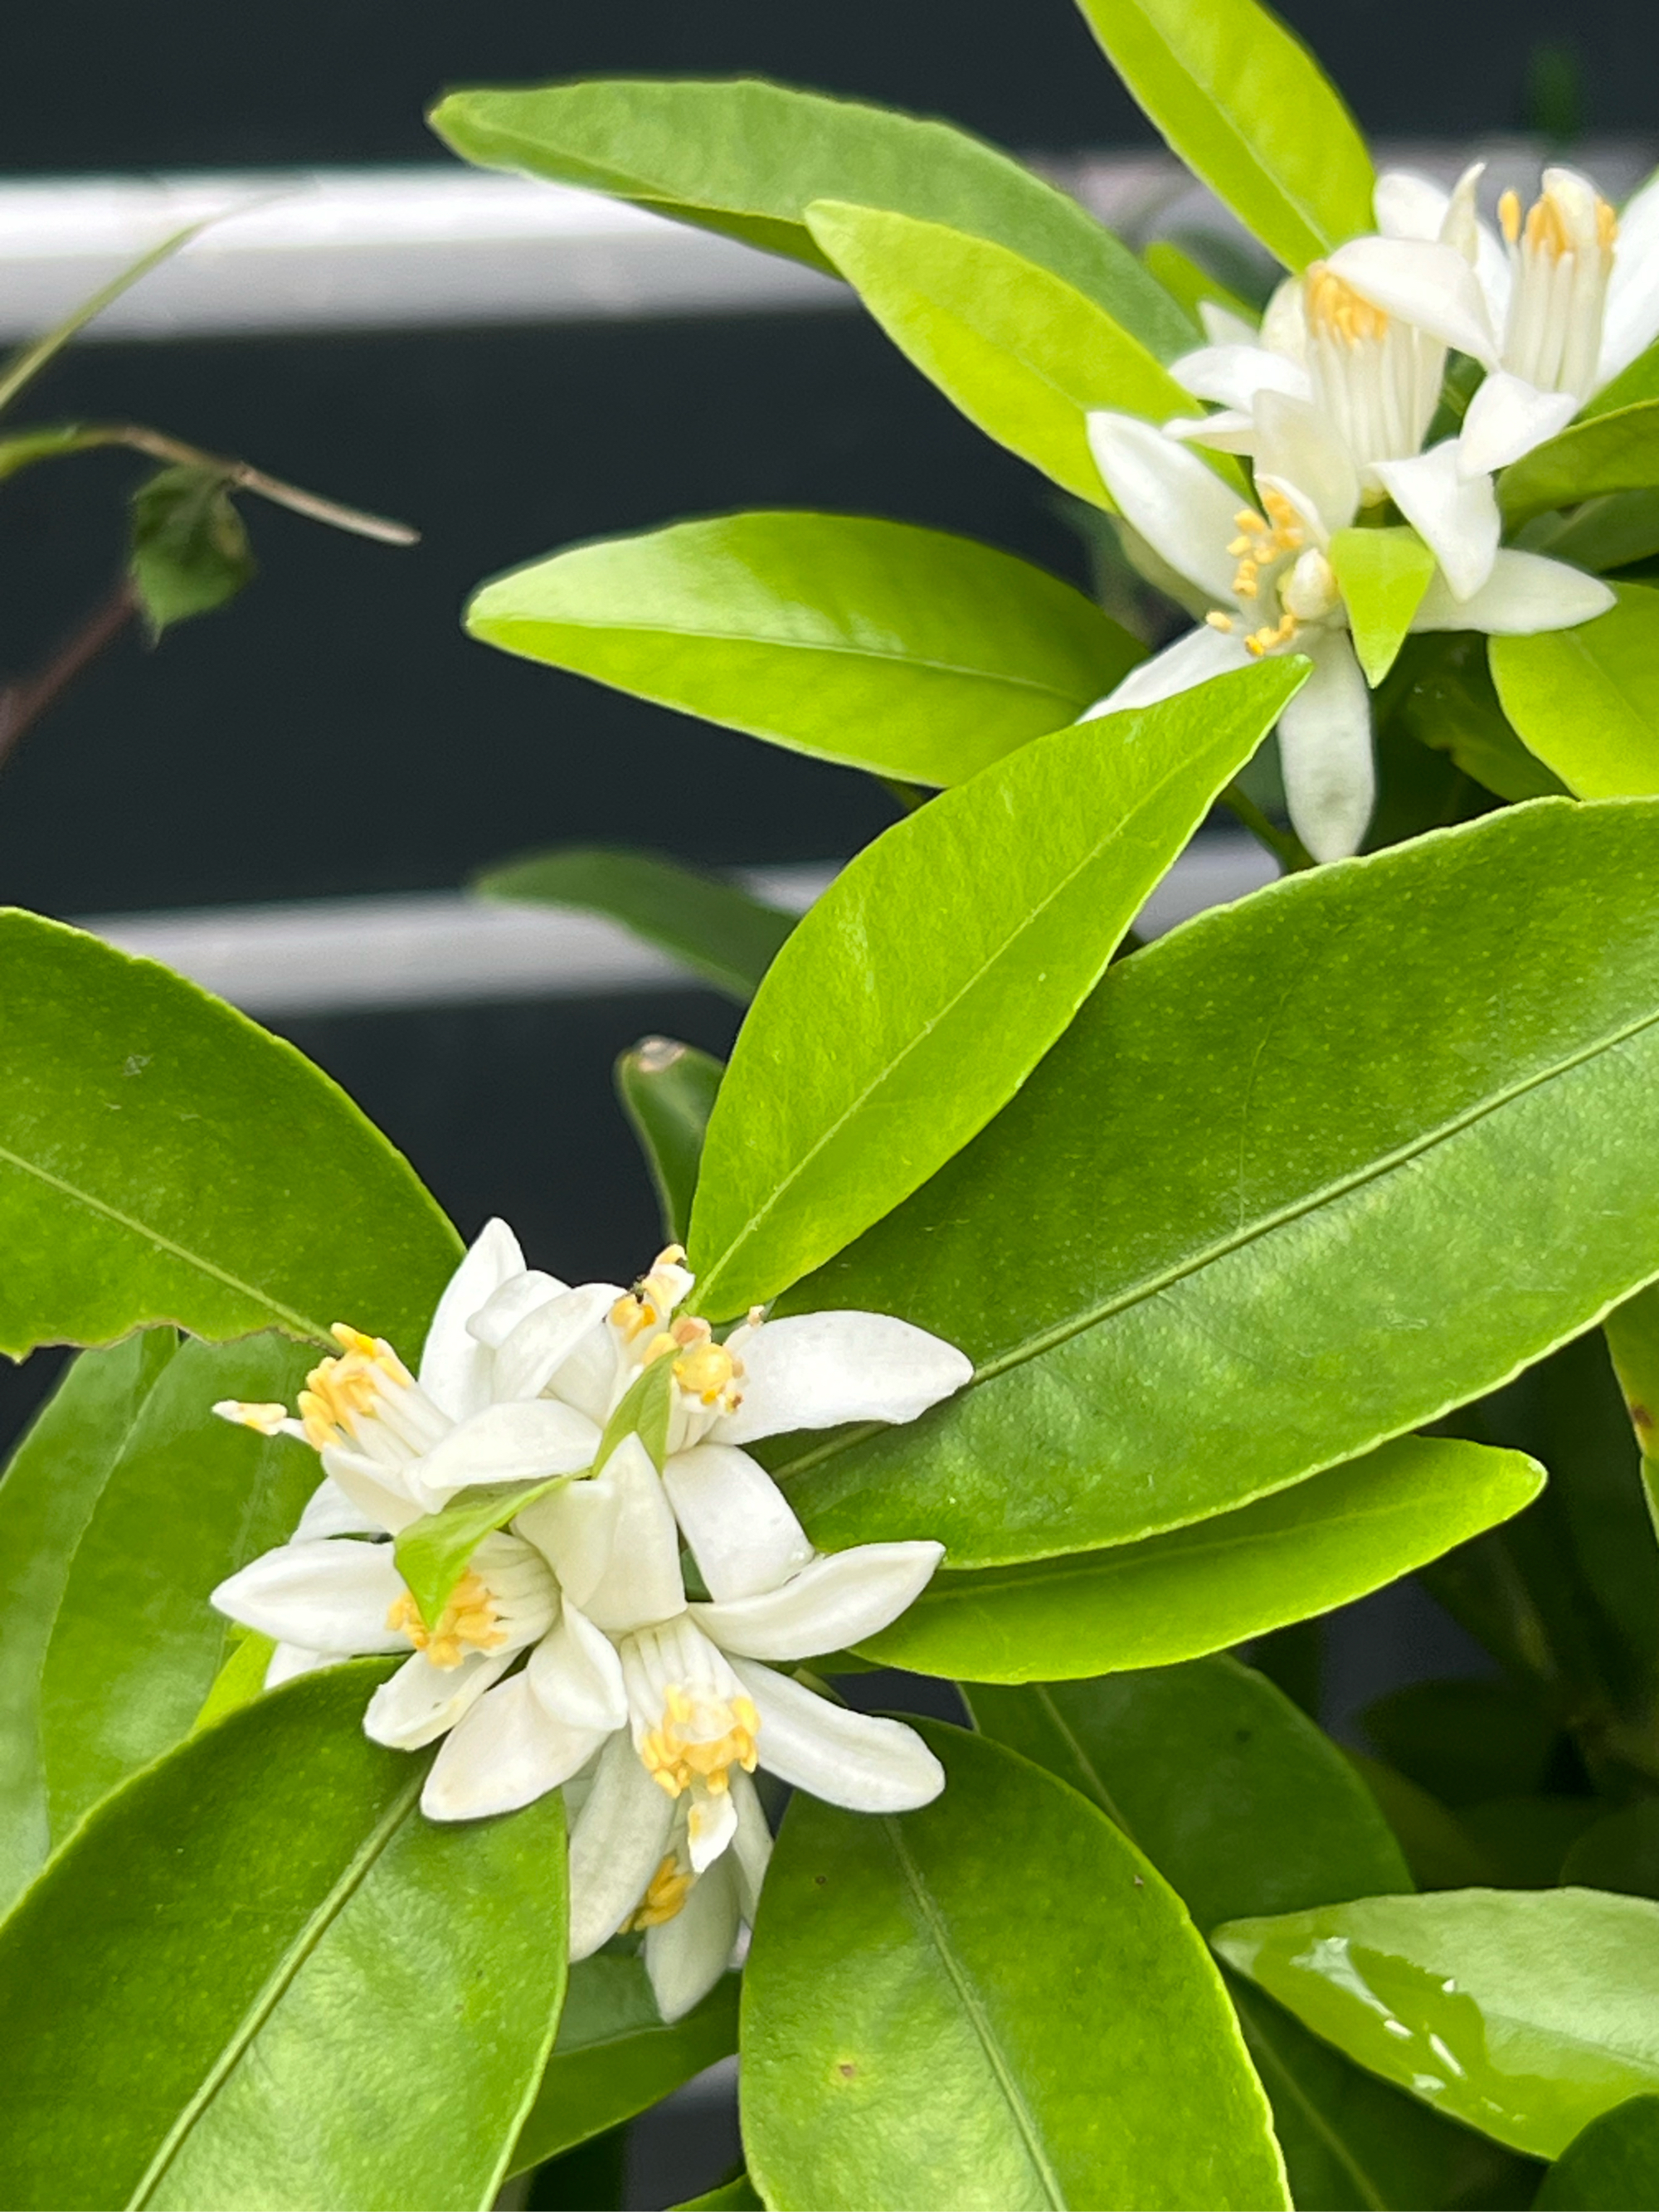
pixel 280 1981
pixel 967 1996
pixel 283 1316
pixel 1223 1248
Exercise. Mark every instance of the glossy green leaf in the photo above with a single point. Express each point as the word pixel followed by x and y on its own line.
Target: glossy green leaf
pixel 746 158
pixel 1587 699
pixel 1612 533
pixel 1246 106
pixel 720 933
pixel 668 1091
pixel 1613 2166
pixel 1242 1231
pixel 1619 1852
pixel 1022 353
pixel 1440 1851
pixel 1446 700
pixel 614 2055
pixel 1383 575
pixel 1185 280
pixel 937 969
pixel 902 651
pixel 1283 1558
pixel 1525 2014
pixel 189 551
pixel 257 1976
pixel 736 2195
pixel 163 1159
pixel 135 1647
pixel 46 1498
pixel 238 1681
pixel 1632 1333
pixel 1051 2014
pixel 1615 452
pixel 433 1553
pixel 1464 1741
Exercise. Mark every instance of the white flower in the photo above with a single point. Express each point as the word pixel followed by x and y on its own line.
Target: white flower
pixel 1275 591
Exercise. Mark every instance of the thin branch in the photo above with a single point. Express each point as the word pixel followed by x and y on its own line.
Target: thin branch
pixel 245 477
pixel 1286 848
pixel 23 702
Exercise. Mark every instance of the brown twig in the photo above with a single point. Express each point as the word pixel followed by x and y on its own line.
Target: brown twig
pixel 24 700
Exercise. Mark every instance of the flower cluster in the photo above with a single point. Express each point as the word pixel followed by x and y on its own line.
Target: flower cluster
pixel 571 1655
pixel 1333 400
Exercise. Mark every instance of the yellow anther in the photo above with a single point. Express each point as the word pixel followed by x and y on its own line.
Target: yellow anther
pixel 675 1759
pixel 1336 310
pixel 667 1893
pixel 466 1624
pixel 1607 226
pixel 267 1419
pixel 339 1393
pixel 1508 215
pixel 709 1373
pixel 1549 226
pixel 1264 641
pixel 1216 620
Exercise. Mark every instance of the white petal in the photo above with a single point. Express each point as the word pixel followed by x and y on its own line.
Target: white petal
pixel 612 1542
pixel 616 1843
pixel 687 1956
pixel 379 1491
pixel 501 1312
pixel 330 1596
pixel 1180 506
pixel 1226 431
pixel 1301 451
pixel 506 1752
pixel 1284 324
pixel 1429 286
pixel 1325 750
pixel 1456 517
pixel 835 1602
pixel 1191 660
pixel 576 1674
pixel 1525 592
pixel 290 1661
pixel 1632 321
pixel 508 1444
pixel 751 1847
pixel 539 1346
pixel 589 1376
pixel 742 1533
pixel 1507 417
pixel 421 1701
pixel 848 1759
pixel 330 1512
pixel 1409 206
pixel 711 1825
pixel 1231 375
pixel 1223 327
pixel 816 1370
pixel 454 1366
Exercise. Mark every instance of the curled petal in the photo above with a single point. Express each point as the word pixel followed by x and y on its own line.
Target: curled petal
pixel 1298 450
pixel 378 1490
pixel 1233 375
pixel 1507 417
pixel 454 1366
pixel 1190 661
pixel 421 1701
pixel 576 1674
pixel 507 1752
pixel 1429 286
pixel 742 1533
pixel 612 1542
pixel 1631 320
pixel 508 1444
pixel 332 1595
pixel 539 1346
pixel 687 1956
pixel 330 1512
pixel 1325 749
pixel 1455 515
pixel 1409 206
pixel 869 1766
pixel 616 1843
pixel 1525 593
pixel 816 1370
pixel 1180 506
pixel 501 1313
pixel 836 1601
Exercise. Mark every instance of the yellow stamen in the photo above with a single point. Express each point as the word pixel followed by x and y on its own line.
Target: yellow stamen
pixel 651 1300
pixel 667 1893
pixel 1508 215
pixel 1263 541
pixel 1336 310
pixel 1264 641
pixel 466 1624
pixel 708 1372
pixel 674 1759
pixel 339 1392
pixel 1216 620
pixel 267 1419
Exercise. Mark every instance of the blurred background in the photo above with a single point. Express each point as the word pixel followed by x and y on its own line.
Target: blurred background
pixel 510 380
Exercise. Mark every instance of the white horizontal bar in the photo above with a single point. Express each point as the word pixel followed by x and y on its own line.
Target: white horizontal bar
pixel 443 948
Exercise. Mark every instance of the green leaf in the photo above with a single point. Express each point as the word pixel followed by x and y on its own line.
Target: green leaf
pixel 1446 700
pixel 902 651
pixel 1620 1852
pixel 28 447
pixel 1440 1851
pixel 135 1647
pixel 1383 575
pixel 1283 1558
pixel 1614 532
pixel 1632 1333
pixel 1525 2014
pixel 257 1976
pixel 1021 352
pixel 719 932
pixel 1052 2015
pixel 1245 106
pixel 189 552
pixel 736 2195
pixel 1185 280
pixel 1239 1801
pixel 667 1092
pixel 238 1681
pixel 937 969
pixel 614 2057
pixel 1586 701
pixel 1241 1233
pixel 1526 1839
pixel 1616 451
pixel 1613 2166
pixel 46 1498
pixel 163 1159
pixel 643 1410
pixel 1463 1740
pixel 746 158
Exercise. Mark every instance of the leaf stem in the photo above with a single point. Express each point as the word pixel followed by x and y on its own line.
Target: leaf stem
pixel 1286 848
pixel 23 702
pixel 245 477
